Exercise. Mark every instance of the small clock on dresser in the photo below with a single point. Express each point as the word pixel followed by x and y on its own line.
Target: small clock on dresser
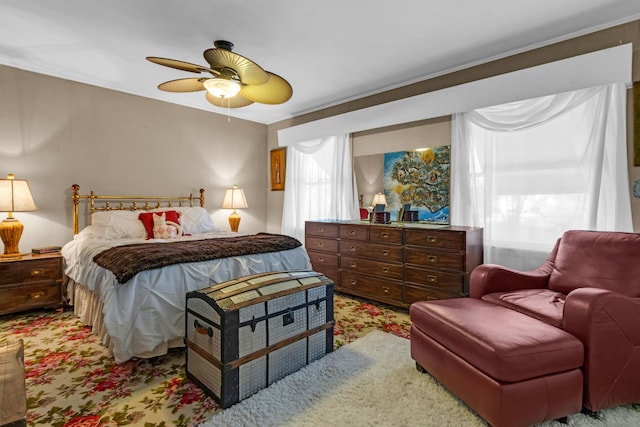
pixel 31 281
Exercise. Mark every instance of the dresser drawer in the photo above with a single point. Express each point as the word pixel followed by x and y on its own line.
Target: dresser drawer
pixel 435 238
pixel 323 229
pixel 354 232
pixel 451 282
pixel 323 259
pixel 319 244
pixel 30 271
pixel 376 268
pixel 419 293
pixel 331 272
pixel 433 258
pixel 371 250
pixel 22 297
pixel 385 235
pixel 371 286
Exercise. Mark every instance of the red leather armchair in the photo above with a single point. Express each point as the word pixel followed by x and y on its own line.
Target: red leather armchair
pixel 589 286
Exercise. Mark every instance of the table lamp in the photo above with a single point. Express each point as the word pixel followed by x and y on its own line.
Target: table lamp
pixel 15 196
pixel 234 199
pixel 379 202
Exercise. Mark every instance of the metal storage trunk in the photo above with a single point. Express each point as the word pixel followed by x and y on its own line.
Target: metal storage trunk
pixel 244 334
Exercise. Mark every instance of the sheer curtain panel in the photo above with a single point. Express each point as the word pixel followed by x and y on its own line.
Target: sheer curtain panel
pixel 320 184
pixel 529 170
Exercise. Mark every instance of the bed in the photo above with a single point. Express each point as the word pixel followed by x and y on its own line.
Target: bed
pixel 138 310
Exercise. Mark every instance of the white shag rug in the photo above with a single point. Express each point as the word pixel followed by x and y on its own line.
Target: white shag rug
pixel 372 382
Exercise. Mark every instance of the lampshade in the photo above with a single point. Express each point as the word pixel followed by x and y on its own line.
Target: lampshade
pixel 15 196
pixel 379 199
pixel 234 199
pixel 221 87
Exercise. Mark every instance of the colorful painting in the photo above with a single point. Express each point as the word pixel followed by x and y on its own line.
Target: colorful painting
pixel 421 178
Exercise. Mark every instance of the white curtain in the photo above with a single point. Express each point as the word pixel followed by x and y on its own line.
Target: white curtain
pixel 529 170
pixel 320 184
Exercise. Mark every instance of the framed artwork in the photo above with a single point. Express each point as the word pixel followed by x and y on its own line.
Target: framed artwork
pixel 419 180
pixel 278 166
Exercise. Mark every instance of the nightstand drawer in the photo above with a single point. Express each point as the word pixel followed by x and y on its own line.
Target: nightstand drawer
pixel 24 297
pixel 30 271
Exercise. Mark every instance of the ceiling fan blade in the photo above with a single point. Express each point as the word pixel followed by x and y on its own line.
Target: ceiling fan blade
pixel 249 72
pixel 194 84
pixel 181 65
pixel 233 102
pixel 276 91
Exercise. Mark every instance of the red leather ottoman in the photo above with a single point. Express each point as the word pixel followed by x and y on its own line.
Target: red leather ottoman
pixel 512 369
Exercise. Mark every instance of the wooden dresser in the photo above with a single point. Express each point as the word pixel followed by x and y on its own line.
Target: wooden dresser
pixel 397 263
pixel 33 281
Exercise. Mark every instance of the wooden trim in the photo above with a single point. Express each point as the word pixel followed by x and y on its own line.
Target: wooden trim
pixel 636 124
pixel 256 354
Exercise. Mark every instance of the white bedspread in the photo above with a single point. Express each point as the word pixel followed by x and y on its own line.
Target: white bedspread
pixel 145 316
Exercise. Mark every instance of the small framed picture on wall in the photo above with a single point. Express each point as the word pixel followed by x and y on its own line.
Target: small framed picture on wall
pixel 278 165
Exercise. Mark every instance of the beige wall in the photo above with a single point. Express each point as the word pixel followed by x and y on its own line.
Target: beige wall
pixel 56 133
pixel 626 33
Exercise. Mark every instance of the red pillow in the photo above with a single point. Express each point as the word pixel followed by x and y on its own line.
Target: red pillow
pixel 147 220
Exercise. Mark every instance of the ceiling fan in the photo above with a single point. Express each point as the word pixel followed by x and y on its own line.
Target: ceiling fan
pixel 231 80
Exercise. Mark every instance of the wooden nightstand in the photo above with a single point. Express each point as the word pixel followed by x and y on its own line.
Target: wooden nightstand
pixel 33 281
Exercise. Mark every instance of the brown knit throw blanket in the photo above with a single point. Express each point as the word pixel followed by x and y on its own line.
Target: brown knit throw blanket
pixel 128 260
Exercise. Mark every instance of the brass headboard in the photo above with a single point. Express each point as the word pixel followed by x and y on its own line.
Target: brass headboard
pixel 130 203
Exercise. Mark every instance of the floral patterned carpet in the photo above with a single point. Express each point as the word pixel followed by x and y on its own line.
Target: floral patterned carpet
pixel 73 381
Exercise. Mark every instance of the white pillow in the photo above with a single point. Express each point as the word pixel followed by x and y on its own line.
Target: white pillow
pixel 195 220
pixel 117 225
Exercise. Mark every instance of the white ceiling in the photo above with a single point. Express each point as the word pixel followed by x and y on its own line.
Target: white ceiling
pixel 330 51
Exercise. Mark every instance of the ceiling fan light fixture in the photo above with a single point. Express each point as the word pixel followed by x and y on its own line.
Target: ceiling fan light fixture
pixel 221 87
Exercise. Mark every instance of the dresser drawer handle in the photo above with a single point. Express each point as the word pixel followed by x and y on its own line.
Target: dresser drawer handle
pixel 354 265
pixel 352 248
pixel 385 253
pixel 321 244
pixel 432 279
pixel 432 239
pixel 321 259
pixel 352 232
pixel 386 290
pixel 320 230
pixel 354 282
pixel 385 270
pixel 37 295
pixel 384 235
pixel 432 259
pixel 37 271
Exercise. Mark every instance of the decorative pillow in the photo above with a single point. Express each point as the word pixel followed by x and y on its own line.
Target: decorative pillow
pixel 117 224
pixel 163 229
pixel 195 220
pixel 147 220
